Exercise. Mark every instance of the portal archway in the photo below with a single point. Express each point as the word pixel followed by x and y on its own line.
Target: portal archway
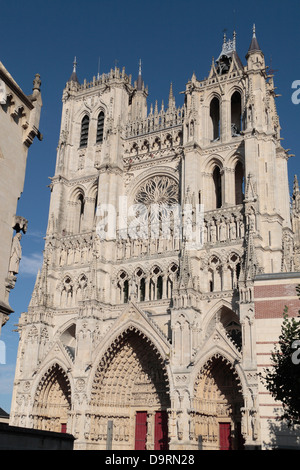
pixel 52 401
pixel 217 403
pixel 130 392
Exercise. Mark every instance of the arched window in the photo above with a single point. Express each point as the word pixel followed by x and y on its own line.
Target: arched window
pixel 214 112
pixel 173 274
pixel 142 289
pixel 159 285
pixel 217 181
pixel 126 291
pixel 236 114
pixel 140 285
pixel 100 128
pixel 239 183
pixel 84 134
pixel 215 277
pixel 156 284
pixel 80 211
pixel 123 286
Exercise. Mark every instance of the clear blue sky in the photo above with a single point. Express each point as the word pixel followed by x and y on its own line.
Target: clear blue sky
pixel 173 39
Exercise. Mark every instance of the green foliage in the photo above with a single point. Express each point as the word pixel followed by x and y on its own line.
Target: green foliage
pixel 283 379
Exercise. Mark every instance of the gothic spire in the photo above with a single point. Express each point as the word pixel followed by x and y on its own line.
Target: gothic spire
pixel 185 280
pixel 171 97
pixel 74 77
pixel 295 186
pixel 254 46
pixel 140 80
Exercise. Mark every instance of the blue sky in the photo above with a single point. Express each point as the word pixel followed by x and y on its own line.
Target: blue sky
pixel 173 39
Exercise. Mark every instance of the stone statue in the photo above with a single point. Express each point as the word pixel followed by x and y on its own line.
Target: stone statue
pixel 16 254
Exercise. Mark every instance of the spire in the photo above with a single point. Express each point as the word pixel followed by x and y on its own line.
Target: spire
pixel 73 77
pixel 171 97
pixel 140 80
pixel 295 185
pixel 98 74
pixel 234 40
pixel 254 47
pixel 228 51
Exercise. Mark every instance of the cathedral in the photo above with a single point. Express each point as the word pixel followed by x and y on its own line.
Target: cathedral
pixel 171 249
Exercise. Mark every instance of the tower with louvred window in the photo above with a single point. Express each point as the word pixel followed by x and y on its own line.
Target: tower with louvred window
pixel 144 329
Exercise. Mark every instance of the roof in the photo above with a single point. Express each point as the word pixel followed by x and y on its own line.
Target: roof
pixel 74 77
pixel 3 414
pixel 254 46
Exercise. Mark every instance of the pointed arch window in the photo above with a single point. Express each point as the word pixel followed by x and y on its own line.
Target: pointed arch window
pixel 84 134
pixel 236 114
pixel 100 128
pixel 123 286
pixel 217 180
pixel 80 211
pixel 239 183
pixel 214 112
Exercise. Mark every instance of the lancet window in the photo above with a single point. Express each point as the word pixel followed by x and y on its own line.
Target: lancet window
pixel 123 287
pixel 236 114
pixel 215 275
pixel 156 285
pixel 217 185
pixel 84 134
pixel 239 183
pixel 214 112
pixel 100 128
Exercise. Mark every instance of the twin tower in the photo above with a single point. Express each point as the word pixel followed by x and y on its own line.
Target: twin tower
pixel 139 336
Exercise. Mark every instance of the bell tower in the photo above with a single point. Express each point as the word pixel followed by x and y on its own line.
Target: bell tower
pixel 143 317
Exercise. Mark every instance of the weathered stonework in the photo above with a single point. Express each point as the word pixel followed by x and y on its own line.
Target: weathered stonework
pixel 19 125
pixel 158 337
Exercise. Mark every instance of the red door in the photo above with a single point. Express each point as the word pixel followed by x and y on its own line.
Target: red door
pixel 161 431
pixel 140 430
pixel 225 436
pixel 63 428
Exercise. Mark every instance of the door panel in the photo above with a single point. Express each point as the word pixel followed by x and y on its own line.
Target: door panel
pixel 161 431
pixel 140 430
pixel 225 436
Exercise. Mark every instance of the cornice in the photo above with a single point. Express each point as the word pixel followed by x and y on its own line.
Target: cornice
pixel 10 82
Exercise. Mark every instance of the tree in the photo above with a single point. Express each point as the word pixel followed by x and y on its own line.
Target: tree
pixel 283 379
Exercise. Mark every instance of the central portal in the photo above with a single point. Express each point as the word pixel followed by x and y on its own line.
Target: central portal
pixel 160 430
pixel 130 389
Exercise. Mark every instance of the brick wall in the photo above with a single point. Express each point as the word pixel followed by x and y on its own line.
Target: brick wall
pixel 273 294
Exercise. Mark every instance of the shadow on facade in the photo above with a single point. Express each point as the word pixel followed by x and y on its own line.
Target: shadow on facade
pixel 282 437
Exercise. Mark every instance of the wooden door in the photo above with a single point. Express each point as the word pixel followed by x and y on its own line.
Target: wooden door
pixel 225 436
pixel 140 430
pixel 161 431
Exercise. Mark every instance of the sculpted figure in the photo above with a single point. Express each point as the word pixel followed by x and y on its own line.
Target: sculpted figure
pixel 16 254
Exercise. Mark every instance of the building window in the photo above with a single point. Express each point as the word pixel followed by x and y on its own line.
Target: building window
pixel 239 183
pixel 214 112
pixel 81 211
pixel 159 286
pixel 123 286
pixel 236 114
pixel 100 128
pixel 217 180
pixel 84 134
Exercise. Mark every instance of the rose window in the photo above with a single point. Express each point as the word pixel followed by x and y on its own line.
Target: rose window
pixel 158 190
pixel 155 197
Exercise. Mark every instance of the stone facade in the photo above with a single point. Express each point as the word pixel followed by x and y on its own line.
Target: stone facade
pixel 142 333
pixel 19 125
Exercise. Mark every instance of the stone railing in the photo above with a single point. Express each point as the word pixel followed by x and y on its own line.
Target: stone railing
pixel 155 122
pixel 224 225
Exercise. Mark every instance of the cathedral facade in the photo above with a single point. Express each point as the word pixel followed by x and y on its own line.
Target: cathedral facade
pixel 142 331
